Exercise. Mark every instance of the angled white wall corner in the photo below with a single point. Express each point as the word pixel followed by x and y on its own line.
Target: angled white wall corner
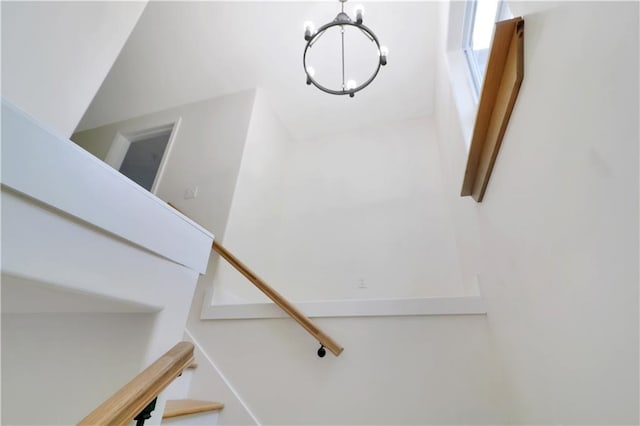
pixel 555 240
pixel 55 55
pixel 255 222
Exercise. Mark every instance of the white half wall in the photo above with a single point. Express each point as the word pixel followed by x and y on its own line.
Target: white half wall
pixel 63 245
pixel 555 241
pixel 56 54
pixel 56 172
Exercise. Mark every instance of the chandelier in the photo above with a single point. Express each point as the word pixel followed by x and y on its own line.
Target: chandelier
pixel 342 20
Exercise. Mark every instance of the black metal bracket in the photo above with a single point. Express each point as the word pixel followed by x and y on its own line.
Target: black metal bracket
pixel 145 414
pixel 322 352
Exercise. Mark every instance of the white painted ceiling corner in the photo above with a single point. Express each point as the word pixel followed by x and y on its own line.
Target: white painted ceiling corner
pixel 182 52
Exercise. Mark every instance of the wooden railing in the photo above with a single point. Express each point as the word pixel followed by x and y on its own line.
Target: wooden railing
pixel 139 393
pixel 324 340
pixel 279 300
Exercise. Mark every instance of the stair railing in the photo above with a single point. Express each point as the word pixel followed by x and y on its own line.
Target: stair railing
pixel 137 399
pixel 324 339
pixel 278 299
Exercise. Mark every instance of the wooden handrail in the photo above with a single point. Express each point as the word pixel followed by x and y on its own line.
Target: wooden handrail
pixel 279 300
pixel 133 397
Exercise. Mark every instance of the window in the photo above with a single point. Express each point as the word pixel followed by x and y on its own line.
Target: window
pixel 480 17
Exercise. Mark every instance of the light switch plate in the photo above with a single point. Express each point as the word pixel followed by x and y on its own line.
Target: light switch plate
pixel 191 192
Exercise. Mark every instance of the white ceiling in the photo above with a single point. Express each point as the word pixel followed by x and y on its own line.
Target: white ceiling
pixel 181 52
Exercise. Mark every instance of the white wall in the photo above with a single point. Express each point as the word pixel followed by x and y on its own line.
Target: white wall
pixel 554 244
pixel 206 153
pixel 403 370
pixel 394 370
pixel 315 217
pixel 55 55
pixel 375 186
pixel 57 367
pixel 555 241
pixel 368 205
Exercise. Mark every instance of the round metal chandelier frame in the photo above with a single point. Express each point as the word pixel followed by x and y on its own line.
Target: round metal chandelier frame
pixel 342 20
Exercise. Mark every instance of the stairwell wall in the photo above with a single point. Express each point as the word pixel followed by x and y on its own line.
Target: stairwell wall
pixel 357 215
pixel 394 370
pixel 555 240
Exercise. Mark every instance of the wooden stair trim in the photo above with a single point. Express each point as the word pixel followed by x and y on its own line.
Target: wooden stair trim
pixel 183 407
pixel 133 397
pixel 503 77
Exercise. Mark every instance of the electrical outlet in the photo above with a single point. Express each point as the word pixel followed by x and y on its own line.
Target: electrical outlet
pixel 191 192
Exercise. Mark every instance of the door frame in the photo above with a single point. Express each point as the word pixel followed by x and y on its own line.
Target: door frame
pixel 123 140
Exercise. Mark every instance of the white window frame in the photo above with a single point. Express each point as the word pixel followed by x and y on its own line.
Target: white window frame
pixel 476 75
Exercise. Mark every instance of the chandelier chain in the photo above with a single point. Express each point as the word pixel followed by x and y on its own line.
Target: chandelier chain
pixel 342 31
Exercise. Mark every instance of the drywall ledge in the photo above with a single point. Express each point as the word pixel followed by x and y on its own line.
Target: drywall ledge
pixel 47 167
pixel 505 70
pixel 466 305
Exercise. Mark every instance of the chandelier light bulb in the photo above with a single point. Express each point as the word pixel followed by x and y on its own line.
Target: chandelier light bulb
pixel 309 30
pixel 384 52
pixel 311 72
pixel 351 84
pixel 358 12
